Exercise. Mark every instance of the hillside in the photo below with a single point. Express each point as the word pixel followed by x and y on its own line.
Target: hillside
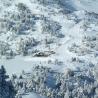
pixel 59 34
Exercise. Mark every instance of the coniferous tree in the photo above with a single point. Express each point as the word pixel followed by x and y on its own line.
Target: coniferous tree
pixel 6 87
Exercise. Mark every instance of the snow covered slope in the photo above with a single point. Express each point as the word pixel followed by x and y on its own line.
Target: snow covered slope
pixel 89 5
pixel 59 34
pixel 32 95
pixel 58 30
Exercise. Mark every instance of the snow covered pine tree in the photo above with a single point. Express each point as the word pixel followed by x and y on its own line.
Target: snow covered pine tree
pixel 6 87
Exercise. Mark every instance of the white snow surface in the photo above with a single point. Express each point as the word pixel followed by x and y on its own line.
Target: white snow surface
pixel 89 5
pixel 33 95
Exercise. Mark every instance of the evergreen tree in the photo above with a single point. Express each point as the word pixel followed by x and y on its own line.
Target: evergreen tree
pixel 6 87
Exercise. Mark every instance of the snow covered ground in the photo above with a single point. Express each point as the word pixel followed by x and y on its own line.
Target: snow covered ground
pixel 89 5
pixel 32 95
pixel 20 63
